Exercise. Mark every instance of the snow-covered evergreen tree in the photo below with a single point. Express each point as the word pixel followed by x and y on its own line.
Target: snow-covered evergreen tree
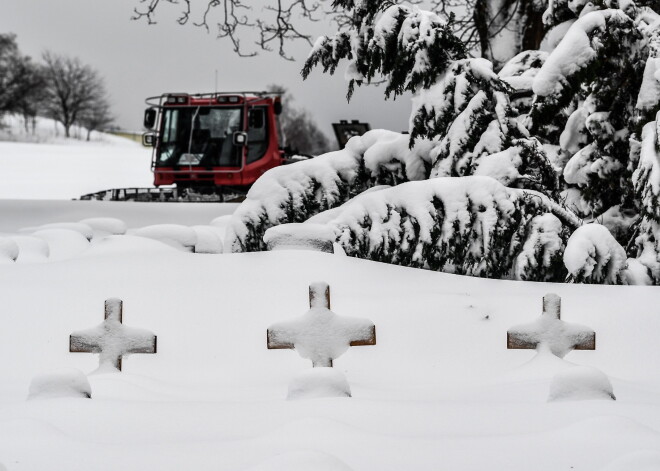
pixel 476 183
pixel 596 74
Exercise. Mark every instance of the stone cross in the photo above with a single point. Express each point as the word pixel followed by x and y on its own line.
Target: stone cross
pixel 111 339
pixel 321 335
pixel 551 332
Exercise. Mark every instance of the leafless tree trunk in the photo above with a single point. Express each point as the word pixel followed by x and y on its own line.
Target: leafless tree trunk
pixel 71 87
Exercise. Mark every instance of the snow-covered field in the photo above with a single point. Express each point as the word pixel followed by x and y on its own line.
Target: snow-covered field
pixel 439 391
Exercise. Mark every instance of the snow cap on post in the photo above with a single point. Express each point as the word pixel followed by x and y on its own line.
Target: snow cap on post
pixel 321 335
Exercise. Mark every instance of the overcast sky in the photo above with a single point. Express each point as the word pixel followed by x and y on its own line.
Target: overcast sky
pixel 138 60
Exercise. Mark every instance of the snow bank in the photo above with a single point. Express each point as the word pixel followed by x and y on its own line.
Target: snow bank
pixel 302 461
pixel 65 382
pixel 580 383
pixel 593 255
pixel 175 235
pixel 319 382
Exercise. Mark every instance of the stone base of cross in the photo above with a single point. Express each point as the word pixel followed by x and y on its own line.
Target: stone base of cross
pixel 550 332
pixel 111 339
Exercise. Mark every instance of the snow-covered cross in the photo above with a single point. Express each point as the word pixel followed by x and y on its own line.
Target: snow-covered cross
pixel 321 335
pixel 551 332
pixel 111 339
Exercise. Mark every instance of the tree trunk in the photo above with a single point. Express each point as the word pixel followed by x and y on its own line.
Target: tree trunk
pixel 508 27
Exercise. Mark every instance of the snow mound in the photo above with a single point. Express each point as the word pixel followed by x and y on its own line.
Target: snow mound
pixel 31 249
pixel 301 236
pixel 180 237
pixel 83 229
pixel 319 382
pixel 9 250
pixel 580 383
pixel 642 460
pixel 208 240
pixel 63 244
pixel 65 382
pixel 302 461
pixel 103 226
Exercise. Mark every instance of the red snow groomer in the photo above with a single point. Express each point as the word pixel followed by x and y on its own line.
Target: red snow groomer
pixel 213 144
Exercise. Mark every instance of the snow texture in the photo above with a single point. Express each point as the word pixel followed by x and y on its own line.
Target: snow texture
pixel 302 461
pixel 64 382
pixel 649 92
pixel 320 335
pixel 319 382
pixel 180 237
pixel 549 332
pixel 307 236
pixel 593 255
pixel 580 383
pixel 112 340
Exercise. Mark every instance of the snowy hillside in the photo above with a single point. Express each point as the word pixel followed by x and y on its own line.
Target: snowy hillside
pixel 57 168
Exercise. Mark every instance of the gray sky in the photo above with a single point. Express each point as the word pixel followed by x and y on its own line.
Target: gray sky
pixel 138 60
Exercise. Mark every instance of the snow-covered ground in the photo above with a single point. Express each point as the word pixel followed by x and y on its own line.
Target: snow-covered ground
pixel 45 165
pixel 440 390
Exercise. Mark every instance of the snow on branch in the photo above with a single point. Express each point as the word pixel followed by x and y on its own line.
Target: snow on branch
pixel 593 255
pixel 411 48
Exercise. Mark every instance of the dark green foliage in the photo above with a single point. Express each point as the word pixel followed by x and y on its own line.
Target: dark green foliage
pixel 408 62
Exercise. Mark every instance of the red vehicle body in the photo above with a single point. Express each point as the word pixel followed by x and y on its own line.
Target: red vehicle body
pixel 213 142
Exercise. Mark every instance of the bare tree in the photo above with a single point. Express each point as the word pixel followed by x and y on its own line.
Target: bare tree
pixel 302 134
pixel 277 21
pixel 98 116
pixel 71 88
pixel 19 76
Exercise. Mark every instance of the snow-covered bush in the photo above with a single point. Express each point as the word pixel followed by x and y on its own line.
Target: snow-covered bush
pixel 592 255
pixel 469 225
pixel 299 191
pixel 8 250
